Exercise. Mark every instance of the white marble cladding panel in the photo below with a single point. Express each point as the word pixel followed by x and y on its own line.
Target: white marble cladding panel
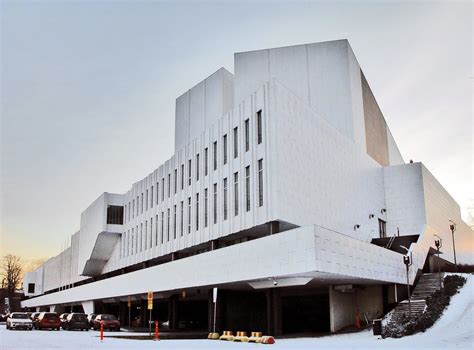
pixel 318 175
pixel 304 251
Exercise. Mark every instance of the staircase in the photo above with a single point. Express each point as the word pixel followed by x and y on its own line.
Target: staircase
pixel 427 285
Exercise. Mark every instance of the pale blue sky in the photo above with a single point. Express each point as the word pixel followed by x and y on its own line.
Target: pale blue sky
pixel 89 88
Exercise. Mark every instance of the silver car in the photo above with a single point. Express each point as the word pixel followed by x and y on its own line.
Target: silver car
pixel 19 320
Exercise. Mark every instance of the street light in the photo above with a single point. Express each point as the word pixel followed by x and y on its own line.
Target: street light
pixel 407 261
pixel 439 244
pixel 452 226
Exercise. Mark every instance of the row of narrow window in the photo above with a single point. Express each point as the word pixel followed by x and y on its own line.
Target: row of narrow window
pixel 144 236
pixel 141 203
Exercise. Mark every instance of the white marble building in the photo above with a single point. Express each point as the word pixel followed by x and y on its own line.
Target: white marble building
pixel 283 174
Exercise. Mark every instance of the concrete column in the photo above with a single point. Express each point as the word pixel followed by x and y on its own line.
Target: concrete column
pixel 277 321
pixel 269 312
pixel 210 312
pixel 342 309
pixel 274 227
pixel 123 311
pixel 88 307
pixel 173 312
pixel 274 319
pixel 143 311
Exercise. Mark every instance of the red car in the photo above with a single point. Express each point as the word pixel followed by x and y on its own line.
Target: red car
pixel 48 320
pixel 110 322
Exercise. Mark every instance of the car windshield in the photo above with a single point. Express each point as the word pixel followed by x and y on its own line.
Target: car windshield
pixel 108 317
pixel 50 316
pixel 79 317
pixel 20 316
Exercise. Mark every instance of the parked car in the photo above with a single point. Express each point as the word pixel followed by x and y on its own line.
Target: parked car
pixel 91 318
pixel 76 321
pixel 3 317
pixel 110 322
pixel 34 317
pixel 62 318
pixel 48 320
pixel 19 320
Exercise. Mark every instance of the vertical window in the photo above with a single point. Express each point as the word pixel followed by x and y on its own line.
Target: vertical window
pixel 236 142
pixel 205 207
pixel 382 228
pixel 215 203
pixel 162 226
pixel 169 185
pixel 129 206
pixel 189 172
pixel 206 161
pixel 215 155
pixel 259 127
pixel 168 224
pixel 247 135
pixel 146 200
pixel 181 221
pixel 138 204
pixel 174 222
pixel 175 183
pixel 189 215
pixel 132 238
pixel 145 243
pixel 247 188
pixel 133 208
pixel 197 211
pixel 157 197
pixel 125 214
pixel 141 205
pixel 224 148
pixel 151 233
pixel 136 239
pixel 225 198
pixel 197 167
pixel 140 239
pixel 163 189
pixel 260 182
pixel 236 194
pixel 156 229
pixel 182 176
pixel 128 242
pixel 151 197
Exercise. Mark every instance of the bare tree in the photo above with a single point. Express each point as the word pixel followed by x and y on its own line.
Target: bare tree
pixel 11 273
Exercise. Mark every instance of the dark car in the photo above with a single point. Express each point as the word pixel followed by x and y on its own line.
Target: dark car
pixel 91 318
pixel 110 322
pixel 48 320
pixel 76 321
pixel 62 318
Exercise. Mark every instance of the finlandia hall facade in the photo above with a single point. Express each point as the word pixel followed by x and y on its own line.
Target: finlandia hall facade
pixel 284 192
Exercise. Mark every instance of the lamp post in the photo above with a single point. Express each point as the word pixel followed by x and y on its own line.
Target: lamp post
pixel 439 244
pixel 452 227
pixel 407 261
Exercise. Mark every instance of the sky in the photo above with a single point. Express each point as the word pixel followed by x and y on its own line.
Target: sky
pixel 88 91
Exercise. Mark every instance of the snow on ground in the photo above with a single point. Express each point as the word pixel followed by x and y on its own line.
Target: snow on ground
pixel 455 330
